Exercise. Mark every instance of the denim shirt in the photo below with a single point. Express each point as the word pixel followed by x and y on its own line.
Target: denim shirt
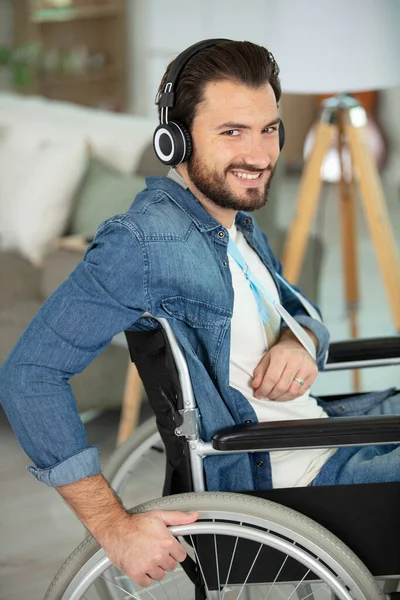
pixel 166 256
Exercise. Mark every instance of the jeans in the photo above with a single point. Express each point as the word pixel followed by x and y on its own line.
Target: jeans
pixel 368 464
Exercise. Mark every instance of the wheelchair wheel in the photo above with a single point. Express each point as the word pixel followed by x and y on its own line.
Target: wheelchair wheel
pixel 241 547
pixel 136 469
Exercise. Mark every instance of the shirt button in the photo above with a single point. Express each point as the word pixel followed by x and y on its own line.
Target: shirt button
pixel 341 408
pixel 260 463
pixel 247 221
pixel 221 234
pixel 247 421
pixel 224 263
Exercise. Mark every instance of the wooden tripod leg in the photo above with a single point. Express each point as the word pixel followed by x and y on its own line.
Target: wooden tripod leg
pixel 377 216
pixel 348 218
pixel 131 402
pixel 310 186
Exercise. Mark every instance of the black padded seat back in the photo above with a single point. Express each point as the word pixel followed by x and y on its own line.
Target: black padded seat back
pixel 152 355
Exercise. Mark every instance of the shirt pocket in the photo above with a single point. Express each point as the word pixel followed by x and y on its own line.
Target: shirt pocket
pixel 203 324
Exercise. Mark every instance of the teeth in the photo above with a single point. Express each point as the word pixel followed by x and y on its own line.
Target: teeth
pixel 247 175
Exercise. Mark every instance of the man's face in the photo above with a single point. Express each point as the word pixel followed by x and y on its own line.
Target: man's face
pixel 235 145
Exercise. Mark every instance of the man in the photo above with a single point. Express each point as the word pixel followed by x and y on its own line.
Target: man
pixel 178 254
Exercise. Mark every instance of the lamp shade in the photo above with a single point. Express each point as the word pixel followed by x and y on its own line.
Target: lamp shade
pixel 335 46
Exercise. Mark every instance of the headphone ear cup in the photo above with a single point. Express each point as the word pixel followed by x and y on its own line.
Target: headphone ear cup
pixel 281 135
pixel 172 143
pixel 188 142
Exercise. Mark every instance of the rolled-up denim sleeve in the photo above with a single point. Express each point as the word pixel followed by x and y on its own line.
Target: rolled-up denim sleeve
pixel 85 463
pixel 103 296
pixel 322 335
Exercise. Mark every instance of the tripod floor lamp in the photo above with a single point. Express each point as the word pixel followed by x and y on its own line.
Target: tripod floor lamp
pixel 341 47
pixel 348 118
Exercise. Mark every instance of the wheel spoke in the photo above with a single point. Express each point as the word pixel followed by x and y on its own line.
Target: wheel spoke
pixel 165 593
pixel 119 587
pixel 299 583
pixel 250 570
pixel 176 587
pixel 230 565
pixel 200 567
pixel 323 586
pixel 217 564
pixel 149 592
pixel 277 575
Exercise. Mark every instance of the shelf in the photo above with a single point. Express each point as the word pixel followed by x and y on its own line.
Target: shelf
pixel 63 26
pixel 73 13
pixel 86 77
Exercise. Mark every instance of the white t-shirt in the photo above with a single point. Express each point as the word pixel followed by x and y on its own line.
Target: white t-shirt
pixel 291 468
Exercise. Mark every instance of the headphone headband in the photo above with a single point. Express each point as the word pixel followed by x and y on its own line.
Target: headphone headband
pixel 167 97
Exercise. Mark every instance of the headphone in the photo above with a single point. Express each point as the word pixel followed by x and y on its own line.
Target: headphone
pixel 172 141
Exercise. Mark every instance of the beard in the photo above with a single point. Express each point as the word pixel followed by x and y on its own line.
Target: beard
pixel 214 186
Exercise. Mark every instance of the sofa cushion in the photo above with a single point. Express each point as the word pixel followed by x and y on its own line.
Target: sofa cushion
pixel 104 192
pixel 36 193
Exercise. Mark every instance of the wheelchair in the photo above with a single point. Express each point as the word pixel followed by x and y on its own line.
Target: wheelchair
pixel 315 543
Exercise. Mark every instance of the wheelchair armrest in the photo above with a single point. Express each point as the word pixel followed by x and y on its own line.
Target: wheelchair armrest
pixel 363 353
pixel 309 433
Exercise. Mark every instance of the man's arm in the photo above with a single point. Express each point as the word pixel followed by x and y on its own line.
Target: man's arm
pixel 103 296
pixel 140 545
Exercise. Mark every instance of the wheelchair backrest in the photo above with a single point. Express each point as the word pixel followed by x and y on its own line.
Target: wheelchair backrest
pixel 152 355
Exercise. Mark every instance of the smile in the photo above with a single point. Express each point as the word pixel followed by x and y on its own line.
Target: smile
pixel 242 175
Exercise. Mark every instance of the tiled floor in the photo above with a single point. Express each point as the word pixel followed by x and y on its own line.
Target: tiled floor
pixel 37 531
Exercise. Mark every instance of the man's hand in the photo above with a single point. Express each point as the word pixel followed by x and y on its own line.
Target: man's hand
pixel 274 376
pixel 140 544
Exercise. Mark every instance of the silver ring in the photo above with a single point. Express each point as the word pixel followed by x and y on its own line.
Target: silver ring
pixel 300 381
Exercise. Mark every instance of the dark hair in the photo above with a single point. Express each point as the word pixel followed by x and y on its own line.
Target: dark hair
pixel 242 62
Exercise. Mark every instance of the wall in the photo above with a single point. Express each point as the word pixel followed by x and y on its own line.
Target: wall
pixel 161 30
